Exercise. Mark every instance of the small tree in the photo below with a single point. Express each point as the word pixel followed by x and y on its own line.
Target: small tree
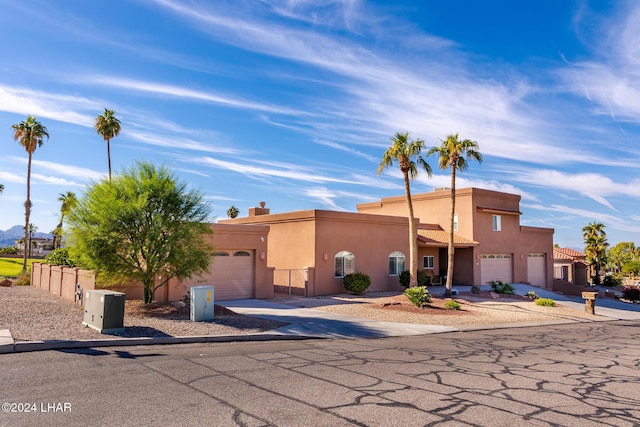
pixel 143 225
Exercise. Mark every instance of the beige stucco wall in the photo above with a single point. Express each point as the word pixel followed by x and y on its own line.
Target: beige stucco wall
pixel 477 225
pixel 254 238
pixel 312 238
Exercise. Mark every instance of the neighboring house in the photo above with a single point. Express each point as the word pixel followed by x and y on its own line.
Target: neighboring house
pixel 490 242
pixel 570 266
pixel 39 245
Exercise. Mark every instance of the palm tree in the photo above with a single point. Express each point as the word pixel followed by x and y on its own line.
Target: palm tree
pixel 408 154
pixel 108 126
pixel 454 154
pixel 232 212
pixel 595 241
pixel 32 229
pixel 69 201
pixel 30 134
pixel 1 188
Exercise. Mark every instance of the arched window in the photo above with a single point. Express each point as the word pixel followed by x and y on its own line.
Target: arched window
pixel 345 263
pixel 241 253
pixel 396 263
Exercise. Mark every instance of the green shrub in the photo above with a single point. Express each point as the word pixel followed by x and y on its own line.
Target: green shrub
pixel 475 289
pixel 452 305
pixel 405 278
pixel 531 295
pixel 500 287
pixel 632 268
pixel 9 250
pixel 631 293
pixel 356 283
pixel 23 280
pixel 421 278
pixel 545 302
pixel 611 280
pixel 60 257
pixel 419 296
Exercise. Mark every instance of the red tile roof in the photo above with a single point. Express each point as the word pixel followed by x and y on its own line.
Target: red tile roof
pixel 429 235
pixel 568 254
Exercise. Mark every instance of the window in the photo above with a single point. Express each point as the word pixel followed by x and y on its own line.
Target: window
pixel 427 262
pixel 497 223
pixel 221 254
pixel 241 253
pixel 345 263
pixel 455 222
pixel 396 263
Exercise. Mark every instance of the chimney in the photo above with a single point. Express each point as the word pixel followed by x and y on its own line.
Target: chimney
pixel 259 210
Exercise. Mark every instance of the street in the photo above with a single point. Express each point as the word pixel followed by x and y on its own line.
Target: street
pixel 583 374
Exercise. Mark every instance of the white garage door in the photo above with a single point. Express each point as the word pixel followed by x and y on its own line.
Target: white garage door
pixel 537 269
pixel 232 274
pixel 496 267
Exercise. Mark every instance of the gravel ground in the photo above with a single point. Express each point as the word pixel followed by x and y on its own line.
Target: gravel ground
pixel 32 314
pixel 485 308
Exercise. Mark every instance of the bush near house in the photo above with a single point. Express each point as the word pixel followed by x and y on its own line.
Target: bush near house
pixel 545 302
pixel 356 283
pixel 419 296
pixel 631 293
pixel 405 278
pixel 60 257
pixel 531 295
pixel 9 250
pixel 500 287
pixel 452 305
pixel 611 280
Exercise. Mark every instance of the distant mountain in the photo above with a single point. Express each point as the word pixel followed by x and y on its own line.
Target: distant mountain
pixel 9 237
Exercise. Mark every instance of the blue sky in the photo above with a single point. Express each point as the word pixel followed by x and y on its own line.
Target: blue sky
pixel 294 102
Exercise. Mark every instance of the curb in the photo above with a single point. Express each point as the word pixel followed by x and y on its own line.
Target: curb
pixel 26 346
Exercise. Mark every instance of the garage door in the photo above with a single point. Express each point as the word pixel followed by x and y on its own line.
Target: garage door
pixel 537 269
pixel 232 274
pixel 496 267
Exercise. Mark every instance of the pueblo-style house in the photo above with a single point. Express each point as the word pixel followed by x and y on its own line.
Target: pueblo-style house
pixel 312 250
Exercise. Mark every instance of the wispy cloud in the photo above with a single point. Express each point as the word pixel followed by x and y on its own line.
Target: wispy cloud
pixel 290 172
pixel 56 106
pixel 160 89
pixel 595 186
pixel 81 173
pixel 181 143
pixel 612 79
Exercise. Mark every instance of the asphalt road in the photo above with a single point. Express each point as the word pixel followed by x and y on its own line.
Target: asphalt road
pixel 584 374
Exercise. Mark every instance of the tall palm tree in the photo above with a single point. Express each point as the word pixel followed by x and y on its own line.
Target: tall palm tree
pixel 69 201
pixel 1 188
pixel 108 126
pixel 30 134
pixel 408 155
pixel 454 154
pixel 32 229
pixel 595 241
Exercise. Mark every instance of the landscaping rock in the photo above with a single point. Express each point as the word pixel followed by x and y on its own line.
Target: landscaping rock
pixel 6 283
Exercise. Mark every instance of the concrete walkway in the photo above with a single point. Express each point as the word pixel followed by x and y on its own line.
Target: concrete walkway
pixel 321 324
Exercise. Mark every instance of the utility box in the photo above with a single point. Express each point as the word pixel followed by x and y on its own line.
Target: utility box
pixel 201 303
pixel 104 311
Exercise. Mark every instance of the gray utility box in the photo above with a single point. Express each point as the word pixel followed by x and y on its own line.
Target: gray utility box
pixel 104 311
pixel 202 306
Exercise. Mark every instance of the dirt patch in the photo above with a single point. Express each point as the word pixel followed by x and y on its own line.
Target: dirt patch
pixel 167 310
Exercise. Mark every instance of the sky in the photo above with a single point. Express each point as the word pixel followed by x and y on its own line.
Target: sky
pixel 293 102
